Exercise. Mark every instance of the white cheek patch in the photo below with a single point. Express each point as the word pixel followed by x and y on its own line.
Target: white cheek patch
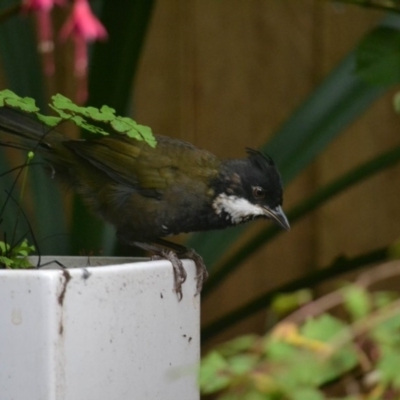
pixel 239 209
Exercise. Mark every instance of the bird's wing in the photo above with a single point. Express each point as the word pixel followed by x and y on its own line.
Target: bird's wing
pixel 136 164
pixel 112 157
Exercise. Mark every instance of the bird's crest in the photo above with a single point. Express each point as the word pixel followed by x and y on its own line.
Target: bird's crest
pixel 260 160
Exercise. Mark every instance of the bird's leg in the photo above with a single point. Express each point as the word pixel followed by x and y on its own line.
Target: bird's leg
pixel 170 255
pixel 201 269
pixel 184 252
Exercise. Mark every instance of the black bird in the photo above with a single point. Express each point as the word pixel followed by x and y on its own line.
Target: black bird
pixel 149 193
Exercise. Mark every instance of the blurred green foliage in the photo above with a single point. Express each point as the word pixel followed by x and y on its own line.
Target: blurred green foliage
pixel 315 354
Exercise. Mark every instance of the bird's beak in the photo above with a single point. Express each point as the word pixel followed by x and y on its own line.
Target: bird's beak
pixel 277 215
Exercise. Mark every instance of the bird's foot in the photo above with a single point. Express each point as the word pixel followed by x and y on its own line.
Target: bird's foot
pixel 179 271
pixel 170 251
pixel 201 269
pixel 170 255
pixel 184 252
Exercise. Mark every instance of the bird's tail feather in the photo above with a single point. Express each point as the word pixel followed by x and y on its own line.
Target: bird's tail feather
pixel 21 131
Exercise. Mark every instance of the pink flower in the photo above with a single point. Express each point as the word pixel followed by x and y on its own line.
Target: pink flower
pixel 83 23
pixel 84 27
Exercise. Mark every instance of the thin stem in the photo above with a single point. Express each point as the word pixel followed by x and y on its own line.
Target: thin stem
pixel 23 186
pixel 29 227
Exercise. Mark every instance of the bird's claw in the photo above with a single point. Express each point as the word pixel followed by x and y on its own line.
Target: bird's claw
pixel 201 269
pixel 179 272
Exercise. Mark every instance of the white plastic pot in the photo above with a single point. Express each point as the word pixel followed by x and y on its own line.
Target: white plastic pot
pixel 115 332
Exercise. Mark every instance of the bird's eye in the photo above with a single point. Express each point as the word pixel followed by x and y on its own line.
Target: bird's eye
pixel 258 192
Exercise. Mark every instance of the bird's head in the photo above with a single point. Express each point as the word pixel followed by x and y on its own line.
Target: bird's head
pixel 250 188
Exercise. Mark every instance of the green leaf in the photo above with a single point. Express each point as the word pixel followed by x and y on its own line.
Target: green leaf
pixel 300 365
pixel 248 394
pixel 6 261
pixel 84 124
pixel 322 328
pixel 325 328
pixel 357 301
pixel 383 298
pixel 21 263
pixel 9 98
pixel 123 125
pixel 8 94
pixel 237 345
pixel 81 116
pixel 378 56
pixel 284 303
pixel 243 363
pixel 303 369
pixel 306 394
pixel 25 104
pixel 49 120
pixel 147 134
pixel 4 247
pixel 64 115
pixel 279 351
pixel 99 115
pixel 213 376
pixel 16 256
pixel 387 332
pixel 389 367
pixel 108 111
pixel 5 95
pixel 63 103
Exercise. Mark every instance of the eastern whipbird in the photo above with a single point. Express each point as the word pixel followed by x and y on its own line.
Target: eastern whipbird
pixel 149 193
